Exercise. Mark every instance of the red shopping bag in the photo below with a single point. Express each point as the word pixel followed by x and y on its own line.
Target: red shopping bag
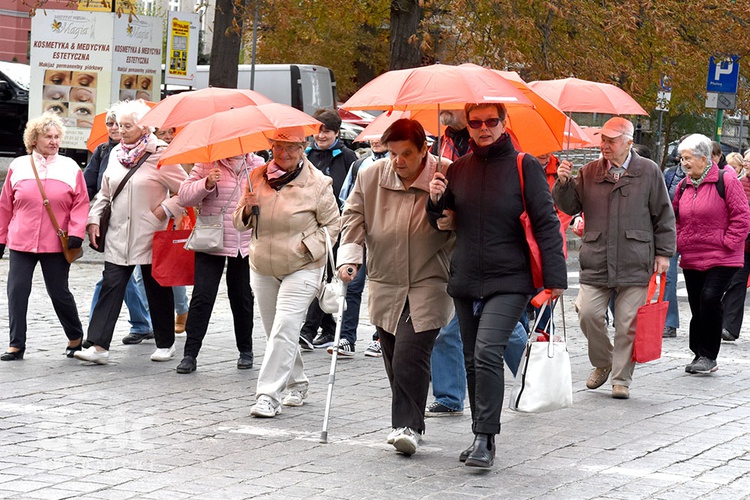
pixel 171 264
pixel 534 253
pixel 649 325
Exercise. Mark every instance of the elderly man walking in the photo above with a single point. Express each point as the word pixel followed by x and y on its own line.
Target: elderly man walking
pixel 629 234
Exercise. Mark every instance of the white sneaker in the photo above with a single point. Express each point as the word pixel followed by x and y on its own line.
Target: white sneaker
pixel 163 354
pixel 394 433
pixel 265 408
pixel 374 350
pixel 92 355
pixel 295 398
pixel 407 441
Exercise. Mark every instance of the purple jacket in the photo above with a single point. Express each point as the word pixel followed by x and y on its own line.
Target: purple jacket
pixel 711 231
pixel 193 192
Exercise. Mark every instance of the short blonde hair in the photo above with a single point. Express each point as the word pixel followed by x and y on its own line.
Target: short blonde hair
pixel 38 126
pixel 734 159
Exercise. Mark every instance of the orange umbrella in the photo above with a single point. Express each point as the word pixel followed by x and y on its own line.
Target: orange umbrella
pixel 583 96
pixel 99 134
pixel 536 130
pixel 235 132
pixel 434 87
pixel 180 109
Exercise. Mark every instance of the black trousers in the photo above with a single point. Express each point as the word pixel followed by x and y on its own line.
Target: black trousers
pixel 734 299
pixel 484 338
pixel 407 363
pixel 705 290
pixel 107 310
pixel 208 271
pixel 55 270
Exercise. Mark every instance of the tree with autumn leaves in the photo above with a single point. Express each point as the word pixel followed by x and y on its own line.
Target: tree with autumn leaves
pixel 629 43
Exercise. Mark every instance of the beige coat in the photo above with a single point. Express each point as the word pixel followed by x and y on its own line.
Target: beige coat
pixel 132 224
pixel 290 219
pixel 406 257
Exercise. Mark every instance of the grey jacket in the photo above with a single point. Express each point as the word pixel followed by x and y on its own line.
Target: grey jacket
pixel 628 222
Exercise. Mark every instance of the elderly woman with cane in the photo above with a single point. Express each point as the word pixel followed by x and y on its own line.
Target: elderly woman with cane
pixel 290 208
pixel 407 267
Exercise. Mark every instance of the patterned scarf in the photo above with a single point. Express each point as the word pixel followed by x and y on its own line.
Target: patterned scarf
pixel 278 178
pixel 130 153
pixel 697 182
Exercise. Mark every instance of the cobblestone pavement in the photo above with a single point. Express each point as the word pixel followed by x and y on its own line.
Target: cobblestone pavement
pixel 137 429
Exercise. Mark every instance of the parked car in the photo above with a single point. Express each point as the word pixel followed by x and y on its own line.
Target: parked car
pixel 14 106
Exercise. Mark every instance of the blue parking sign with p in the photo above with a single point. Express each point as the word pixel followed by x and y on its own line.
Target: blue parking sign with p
pixel 723 74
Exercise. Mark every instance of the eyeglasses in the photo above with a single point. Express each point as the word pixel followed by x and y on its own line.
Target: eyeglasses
pixel 287 149
pixel 111 124
pixel 491 123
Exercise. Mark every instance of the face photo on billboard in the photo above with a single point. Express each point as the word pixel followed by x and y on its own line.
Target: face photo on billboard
pixel 82 94
pixel 84 79
pixel 55 92
pixel 83 113
pixel 56 77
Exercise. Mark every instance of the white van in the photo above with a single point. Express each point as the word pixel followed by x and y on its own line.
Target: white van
pixel 304 86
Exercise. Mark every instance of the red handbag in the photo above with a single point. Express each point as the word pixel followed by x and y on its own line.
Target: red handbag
pixel 649 323
pixel 534 253
pixel 171 264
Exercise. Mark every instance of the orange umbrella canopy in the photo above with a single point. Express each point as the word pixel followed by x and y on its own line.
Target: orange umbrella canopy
pixel 440 85
pixel 537 130
pixel 235 132
pixel 99 133
pixel 583 96
pixel 180 109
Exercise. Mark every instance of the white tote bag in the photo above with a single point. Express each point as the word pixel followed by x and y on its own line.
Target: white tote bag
pixel 543 382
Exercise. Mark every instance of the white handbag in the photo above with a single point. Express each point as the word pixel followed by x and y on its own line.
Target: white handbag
pixel 208 232
pixel 329 293
pixel 543 382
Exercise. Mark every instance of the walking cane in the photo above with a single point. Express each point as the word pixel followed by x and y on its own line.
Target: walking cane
pixel 334 359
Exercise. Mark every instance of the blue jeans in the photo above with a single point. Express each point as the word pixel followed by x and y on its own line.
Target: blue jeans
pixel 670 294
pixel 350 319
pixel 447 367
pixel 181 305
pixel 135 300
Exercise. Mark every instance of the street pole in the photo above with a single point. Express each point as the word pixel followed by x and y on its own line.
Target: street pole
pixel 658 140
pixel 740 135
pixel 719 122
pixel 255 43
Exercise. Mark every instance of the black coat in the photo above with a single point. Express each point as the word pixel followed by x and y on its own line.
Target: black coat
pixel 333 162
pixel 491 254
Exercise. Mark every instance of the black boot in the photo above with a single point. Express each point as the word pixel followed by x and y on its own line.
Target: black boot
pixel 465 454
pixel 484 451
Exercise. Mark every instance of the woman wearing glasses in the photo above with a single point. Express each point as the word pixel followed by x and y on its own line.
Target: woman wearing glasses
pixel 290 206
pixel 491 278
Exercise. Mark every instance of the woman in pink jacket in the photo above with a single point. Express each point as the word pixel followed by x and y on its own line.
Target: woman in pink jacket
pixel 28 232
pixel 217 188
pixel 713 221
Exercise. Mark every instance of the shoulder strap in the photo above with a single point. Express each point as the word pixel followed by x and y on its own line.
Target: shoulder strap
pixel 519 164
pixel 128 176
pixel 44 197
pixel 720 184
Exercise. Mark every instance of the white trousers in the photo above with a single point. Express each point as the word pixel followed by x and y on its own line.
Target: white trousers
pixel 283 304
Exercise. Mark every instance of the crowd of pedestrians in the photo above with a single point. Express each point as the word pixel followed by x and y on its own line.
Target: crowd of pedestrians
pixel 436 232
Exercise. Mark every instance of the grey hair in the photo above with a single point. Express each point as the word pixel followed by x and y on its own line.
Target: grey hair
pixel 112 112
pixel 132 109
pixel 698 144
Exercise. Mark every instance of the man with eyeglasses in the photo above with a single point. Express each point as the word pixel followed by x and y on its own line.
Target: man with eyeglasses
pixel 629 234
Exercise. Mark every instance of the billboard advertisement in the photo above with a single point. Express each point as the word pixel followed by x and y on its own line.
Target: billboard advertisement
pixel 81 62
pixel 182 48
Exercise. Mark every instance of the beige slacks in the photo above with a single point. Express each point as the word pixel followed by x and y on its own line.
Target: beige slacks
pixel 592 305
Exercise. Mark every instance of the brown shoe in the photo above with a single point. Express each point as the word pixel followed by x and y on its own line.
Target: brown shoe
pixel 179 323
pixel 598 377
pixel 620 392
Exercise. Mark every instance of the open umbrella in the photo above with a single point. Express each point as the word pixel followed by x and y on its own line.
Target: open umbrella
pixel 98 133
pixel 235 132
pixel 536 130
pixel 180 109
pixel 584 96
pixel 440 86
